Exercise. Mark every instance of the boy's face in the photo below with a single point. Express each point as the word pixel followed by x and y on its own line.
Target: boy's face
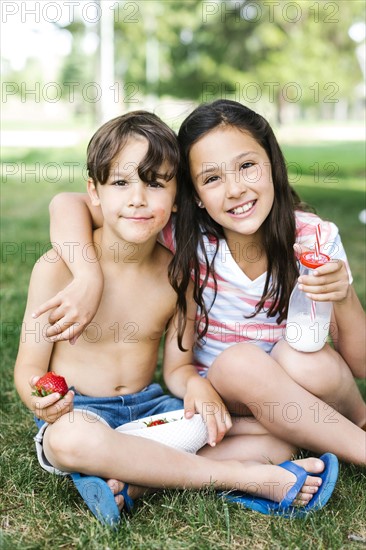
pixel 134 210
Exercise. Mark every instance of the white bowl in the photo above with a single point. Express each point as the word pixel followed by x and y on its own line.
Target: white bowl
pixel 180 433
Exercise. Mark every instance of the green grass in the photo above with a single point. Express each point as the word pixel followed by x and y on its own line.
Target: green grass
pixel 42 511
pixel 327 163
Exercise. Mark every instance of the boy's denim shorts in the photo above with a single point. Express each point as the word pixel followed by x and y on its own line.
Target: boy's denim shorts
pixel 112 411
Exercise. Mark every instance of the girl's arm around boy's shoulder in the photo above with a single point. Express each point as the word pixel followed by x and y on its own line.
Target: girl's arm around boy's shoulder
pixel 72 218
pixel 183 380
pixel 77 203
pixel 35 349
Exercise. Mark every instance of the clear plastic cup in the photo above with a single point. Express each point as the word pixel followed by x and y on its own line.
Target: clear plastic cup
pixel 308 322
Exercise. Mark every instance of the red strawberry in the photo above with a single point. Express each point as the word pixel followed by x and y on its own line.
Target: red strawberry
pixel 156 423
pixel 51 383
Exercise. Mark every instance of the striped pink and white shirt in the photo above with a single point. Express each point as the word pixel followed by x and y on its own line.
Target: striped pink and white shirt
pixel 237 295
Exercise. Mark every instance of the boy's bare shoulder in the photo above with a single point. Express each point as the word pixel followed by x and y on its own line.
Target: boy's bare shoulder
pixel 161 260
pixel 162 253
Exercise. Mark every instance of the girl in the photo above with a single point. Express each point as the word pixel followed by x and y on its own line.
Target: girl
pixel 238 220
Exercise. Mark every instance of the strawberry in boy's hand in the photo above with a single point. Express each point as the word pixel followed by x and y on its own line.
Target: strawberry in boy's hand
pixel 50 383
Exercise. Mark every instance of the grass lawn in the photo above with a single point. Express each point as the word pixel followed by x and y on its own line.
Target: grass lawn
pixel 42 511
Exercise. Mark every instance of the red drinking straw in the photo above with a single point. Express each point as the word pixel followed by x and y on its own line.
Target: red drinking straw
pixel 317 241
pixel 317 255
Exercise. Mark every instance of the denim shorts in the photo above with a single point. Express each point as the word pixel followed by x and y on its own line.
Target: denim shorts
pixel 113 411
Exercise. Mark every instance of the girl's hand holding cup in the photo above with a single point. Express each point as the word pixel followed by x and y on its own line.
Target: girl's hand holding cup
pixel 328 283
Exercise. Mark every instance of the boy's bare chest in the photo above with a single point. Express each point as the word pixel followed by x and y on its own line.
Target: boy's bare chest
pixel 131 313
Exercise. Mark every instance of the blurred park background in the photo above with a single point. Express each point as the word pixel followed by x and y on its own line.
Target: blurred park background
pixel 66 67
pixel 71 65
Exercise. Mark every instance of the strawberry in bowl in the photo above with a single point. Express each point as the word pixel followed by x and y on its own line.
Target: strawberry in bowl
pixel 171 429
pixel 50 383
pixel 157 422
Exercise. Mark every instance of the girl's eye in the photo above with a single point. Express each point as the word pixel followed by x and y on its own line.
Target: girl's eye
pixel 247 165
pixel 211 179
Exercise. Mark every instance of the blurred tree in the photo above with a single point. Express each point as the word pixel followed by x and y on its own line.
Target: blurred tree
pixel 284 53
pixel 208 53
pixel 287 52
pixel 311 61
pixel 78 72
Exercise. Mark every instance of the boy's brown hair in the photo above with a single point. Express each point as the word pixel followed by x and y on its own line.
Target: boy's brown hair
pixel 108 141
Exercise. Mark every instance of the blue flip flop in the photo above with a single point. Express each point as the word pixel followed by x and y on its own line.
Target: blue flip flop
pixel 284 508
pixel 99 498
pixel 129 502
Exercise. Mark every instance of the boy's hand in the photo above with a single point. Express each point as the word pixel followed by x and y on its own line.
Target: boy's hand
pixel 51 407
pixel 202 398
pixel 328 283
pixel 73 309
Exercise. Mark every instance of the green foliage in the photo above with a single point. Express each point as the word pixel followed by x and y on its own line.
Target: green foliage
pixel 295 52
pixel 227 44
pixel 279 55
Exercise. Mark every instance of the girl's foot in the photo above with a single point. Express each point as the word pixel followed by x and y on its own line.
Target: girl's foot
pixel 134 491
pixel 274 482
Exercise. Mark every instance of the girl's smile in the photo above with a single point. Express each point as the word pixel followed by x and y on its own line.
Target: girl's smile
pixel 243 208
pixel 231 173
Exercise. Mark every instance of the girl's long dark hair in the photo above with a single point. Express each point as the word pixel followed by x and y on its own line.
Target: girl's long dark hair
pixel 194 222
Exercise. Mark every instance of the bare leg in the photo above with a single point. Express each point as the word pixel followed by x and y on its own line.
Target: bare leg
pixel 326 375
pixel 245 374
pixel 96 449
pixel 248 440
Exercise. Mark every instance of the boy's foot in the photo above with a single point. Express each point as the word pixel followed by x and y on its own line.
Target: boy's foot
pixel 133 492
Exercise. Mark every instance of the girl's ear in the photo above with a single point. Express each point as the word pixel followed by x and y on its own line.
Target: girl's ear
pixel 92 192
pixel 174 208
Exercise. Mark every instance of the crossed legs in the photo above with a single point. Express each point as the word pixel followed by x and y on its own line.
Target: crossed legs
pixel 326 375
pixel 96 449
pixel 252 382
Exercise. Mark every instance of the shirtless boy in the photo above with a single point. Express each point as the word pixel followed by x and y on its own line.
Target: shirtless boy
pixel 132 162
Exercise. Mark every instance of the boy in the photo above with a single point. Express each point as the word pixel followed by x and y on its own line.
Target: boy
pixel 132 161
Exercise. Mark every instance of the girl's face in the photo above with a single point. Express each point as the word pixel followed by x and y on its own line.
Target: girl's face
pixel 231 173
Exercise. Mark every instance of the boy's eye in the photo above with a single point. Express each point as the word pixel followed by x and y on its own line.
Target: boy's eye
pixel 155 184
pixel 119 183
